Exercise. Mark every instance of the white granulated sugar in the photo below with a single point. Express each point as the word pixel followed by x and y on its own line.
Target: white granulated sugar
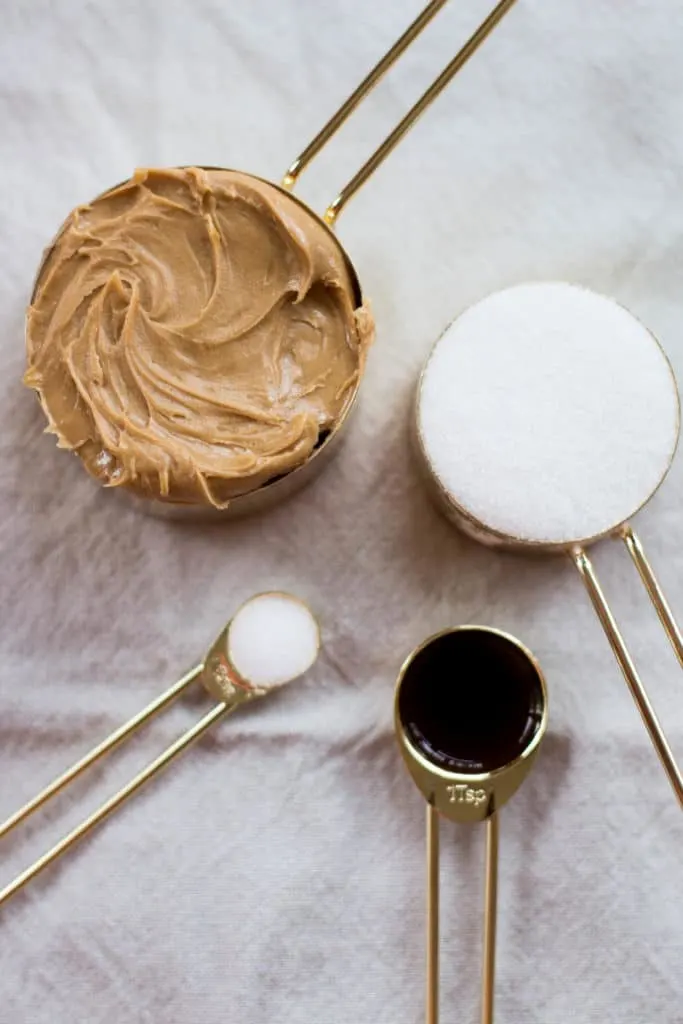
pixel 549 413
pixel 272 639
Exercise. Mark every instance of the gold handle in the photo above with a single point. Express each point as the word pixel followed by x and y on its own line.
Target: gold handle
pixel 490 916
pixel 358 94
pixel 395 136
pixel 219 677
pixel 113 802
pixel 488 976
pixel 621 652
pixel 432 1014
pixel 666 616
pixel 99 751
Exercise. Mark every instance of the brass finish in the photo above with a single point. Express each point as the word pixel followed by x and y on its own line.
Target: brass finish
pixel 405 124
pixel 490 915
pixel 438 85
pixel 432 915
pixel 436 784
pixel 221 681
pixel 359 93
pixel 662 607
pixel 113 802
pixel 448 794
pixel 626 663
pixel 108 744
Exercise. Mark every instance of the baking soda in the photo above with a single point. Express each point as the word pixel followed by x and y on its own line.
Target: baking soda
pixel 272 639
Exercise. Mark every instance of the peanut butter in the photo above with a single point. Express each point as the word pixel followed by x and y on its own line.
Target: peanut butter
pixel 194 334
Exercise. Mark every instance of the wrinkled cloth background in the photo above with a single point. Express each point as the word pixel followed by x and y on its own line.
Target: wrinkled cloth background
pixel 274 875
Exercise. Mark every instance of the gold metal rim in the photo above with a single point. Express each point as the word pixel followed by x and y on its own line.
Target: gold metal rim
pixel 476 526
pixel 533 744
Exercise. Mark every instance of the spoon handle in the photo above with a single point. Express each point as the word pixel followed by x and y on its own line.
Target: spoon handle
pixel 432 1014
pixel 114 801
pixel 488 975
pixel 99 751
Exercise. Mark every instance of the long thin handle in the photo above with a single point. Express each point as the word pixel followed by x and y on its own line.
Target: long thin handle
pixel 108 744
pixel 488 976
pixel 628 668
pixel 432 1014
pixel 114 801
pixel 666 616
pixel 359 94
pixel 430 94
pixel 406 123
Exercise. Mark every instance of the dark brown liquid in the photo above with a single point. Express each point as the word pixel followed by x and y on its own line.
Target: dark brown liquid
pixel 471 701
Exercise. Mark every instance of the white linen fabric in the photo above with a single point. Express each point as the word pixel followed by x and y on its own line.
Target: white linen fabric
pixel 274 874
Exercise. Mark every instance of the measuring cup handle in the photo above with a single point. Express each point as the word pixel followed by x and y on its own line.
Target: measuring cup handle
pixel 662 607
pixel 621 652
pixel 395 136
pixel 360 92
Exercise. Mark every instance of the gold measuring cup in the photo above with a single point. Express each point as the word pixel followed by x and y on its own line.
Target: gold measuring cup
pixel 272 491
pixel 470 711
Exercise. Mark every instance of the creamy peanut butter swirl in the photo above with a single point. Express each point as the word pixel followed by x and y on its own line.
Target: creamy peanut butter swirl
pixel 193 334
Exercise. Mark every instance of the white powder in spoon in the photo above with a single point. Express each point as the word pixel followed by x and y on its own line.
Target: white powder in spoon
pixel 272 639
pixel 548 413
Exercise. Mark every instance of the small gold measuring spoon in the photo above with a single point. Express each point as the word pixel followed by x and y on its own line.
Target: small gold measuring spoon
pixel 470 711
pixel 272 639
